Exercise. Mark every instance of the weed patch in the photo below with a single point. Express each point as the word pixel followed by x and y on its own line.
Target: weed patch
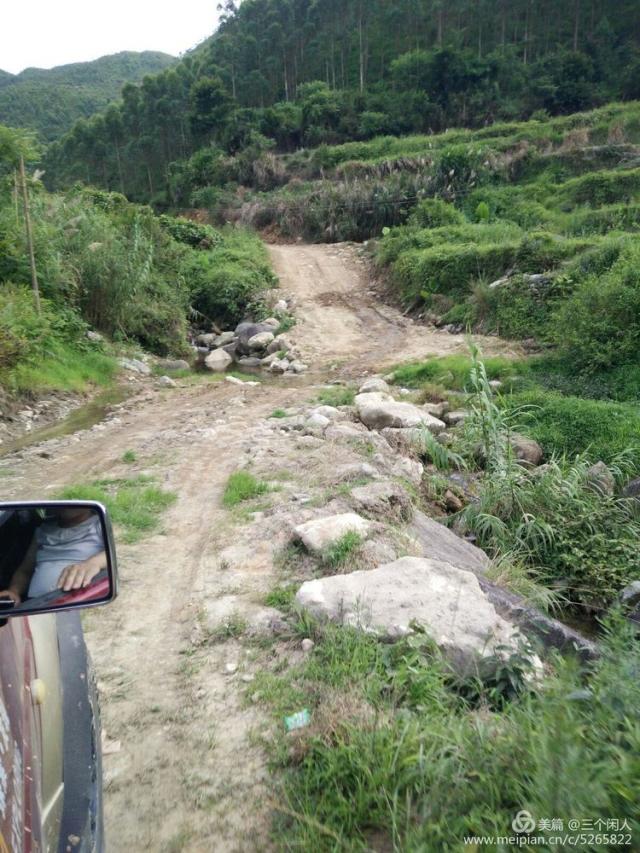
pixel 242 486
pixel 134 504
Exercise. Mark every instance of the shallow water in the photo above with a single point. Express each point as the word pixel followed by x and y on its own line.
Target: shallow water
pixel 83 417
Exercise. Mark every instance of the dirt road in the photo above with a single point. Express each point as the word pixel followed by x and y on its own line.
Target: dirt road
pixel 190 772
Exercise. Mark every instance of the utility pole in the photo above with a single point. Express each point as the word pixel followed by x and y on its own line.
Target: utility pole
pixel 29 233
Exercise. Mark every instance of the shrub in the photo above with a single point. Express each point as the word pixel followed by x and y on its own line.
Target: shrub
pixel 227 282
pixel 599 188
pixel 434 213
pixel 598 327
pixel 193 234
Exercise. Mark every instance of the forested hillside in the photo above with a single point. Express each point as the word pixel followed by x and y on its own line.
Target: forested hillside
pixel 50 101
pixel 280 74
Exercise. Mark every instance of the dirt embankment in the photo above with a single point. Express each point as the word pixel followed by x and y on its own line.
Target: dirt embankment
pixel 190 773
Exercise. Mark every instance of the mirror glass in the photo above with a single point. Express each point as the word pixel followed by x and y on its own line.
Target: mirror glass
pixel 53 556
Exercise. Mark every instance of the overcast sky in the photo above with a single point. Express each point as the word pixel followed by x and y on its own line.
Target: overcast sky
pixel 44 33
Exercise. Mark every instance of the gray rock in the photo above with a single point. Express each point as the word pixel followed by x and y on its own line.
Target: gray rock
pixel 279 344
pixel 601 480
pixel 632 489
pixel 537 625
pixel 377 552
pixel 250 362
pixel 630 595
pixel 280 306
pixel 279 365
pixel 245 331
pixel 383 500
pixel 297 367
pixel 439 543
pixel 356 471
pixel 173 364
pixel 342 432
pixel 377 411
pixel 271 321
pixel 135 366
pixel 457 417
pixel 317 423
pixel 374 385
pixel 166 382
pixel 223 339
pixel 330 412
pixel 260 341
pixel 447 601
pixel 526 450
pixel 321 533
pixel 405 439
pixel 218 361
pixel 207 340
pixel 408 469
pixel 307 645
pixel 95 337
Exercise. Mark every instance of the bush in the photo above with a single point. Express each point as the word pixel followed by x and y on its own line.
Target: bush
pixel 599 188
pixel 598 327
pixel 434 213
pixel 193 234
pixel 227 282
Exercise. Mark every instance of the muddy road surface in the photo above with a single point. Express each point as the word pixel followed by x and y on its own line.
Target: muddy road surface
pixel 184 765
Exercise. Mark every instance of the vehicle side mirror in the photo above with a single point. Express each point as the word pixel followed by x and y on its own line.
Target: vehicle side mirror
pixel 54 556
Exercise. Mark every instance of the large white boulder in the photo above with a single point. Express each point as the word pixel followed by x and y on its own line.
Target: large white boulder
pixel 321 533
pixel 374 385
pixel 378 411
pixel 443 599
pixel 218 361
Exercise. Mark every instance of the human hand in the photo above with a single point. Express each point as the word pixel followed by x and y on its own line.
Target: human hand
pixel 78 575
pixel 9 593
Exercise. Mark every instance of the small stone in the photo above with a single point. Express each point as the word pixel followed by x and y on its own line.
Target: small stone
pixel 247 678
pixel 307 645
pixel 280 307
pixel 452 501
pixel 230 668
pixel 166 382
pixel 260 341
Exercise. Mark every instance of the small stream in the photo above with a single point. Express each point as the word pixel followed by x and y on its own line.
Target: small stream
pixel 83 417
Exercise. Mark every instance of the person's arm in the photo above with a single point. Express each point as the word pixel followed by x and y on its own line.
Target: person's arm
pixel 79 575
pixel 21 578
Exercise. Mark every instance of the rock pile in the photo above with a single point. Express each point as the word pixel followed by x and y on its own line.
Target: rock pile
pixel 251 346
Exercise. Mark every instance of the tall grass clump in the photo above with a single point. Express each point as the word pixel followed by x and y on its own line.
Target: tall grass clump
pixel 575 536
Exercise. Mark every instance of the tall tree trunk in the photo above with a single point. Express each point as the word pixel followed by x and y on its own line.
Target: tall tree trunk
pixel 440 26
pixel 576 24
pixel 361 42
pixel 29 235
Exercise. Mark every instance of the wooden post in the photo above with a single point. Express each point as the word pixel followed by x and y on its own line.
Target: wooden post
pixel 29 233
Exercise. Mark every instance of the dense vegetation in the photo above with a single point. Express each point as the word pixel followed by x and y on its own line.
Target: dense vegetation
pixel 51 101
pixel 280 74
pixel 112 266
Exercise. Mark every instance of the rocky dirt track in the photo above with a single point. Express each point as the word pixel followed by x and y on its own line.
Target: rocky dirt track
pixel 190 772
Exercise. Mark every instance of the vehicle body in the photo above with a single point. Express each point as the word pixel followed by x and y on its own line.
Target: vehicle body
pixel 50 759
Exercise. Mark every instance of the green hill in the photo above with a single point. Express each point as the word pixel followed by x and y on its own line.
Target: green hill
pixel 281 75
pixel 50 101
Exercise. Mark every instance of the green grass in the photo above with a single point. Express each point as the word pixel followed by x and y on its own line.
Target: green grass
pixel 64 368
pixel 129 457
pixel 342 551
pixel 242 486
pixel 401 756
pixel 336 395
pixel 453 372
pixel 281 597
pixel 135 504
pixel 279 414
pixel 570 426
